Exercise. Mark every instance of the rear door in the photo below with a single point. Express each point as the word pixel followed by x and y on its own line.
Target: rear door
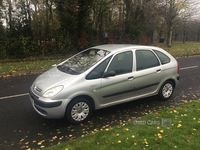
pixel 148 73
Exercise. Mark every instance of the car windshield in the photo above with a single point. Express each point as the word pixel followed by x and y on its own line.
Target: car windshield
pixel 83 61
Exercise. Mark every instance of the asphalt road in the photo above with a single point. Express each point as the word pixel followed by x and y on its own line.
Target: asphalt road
pixel 22 128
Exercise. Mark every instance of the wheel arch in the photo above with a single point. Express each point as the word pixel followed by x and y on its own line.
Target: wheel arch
pixel 173 81
pixel 83 96
pixel 160 93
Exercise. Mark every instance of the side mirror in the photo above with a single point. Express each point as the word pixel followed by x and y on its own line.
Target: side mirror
pixel 109 74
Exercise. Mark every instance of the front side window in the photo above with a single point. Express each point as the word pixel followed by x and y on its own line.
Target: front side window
pixel 83 61
pixel 163 58
pixel 122 63
pixel 98 71
pixel 146 59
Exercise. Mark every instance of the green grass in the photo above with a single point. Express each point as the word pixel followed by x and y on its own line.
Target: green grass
pixel 28 65
pixel 178 49
pixel 183 134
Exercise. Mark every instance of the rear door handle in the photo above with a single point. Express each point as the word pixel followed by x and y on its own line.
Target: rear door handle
pixel 130 78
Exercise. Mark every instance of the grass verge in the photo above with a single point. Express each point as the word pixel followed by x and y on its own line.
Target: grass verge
pixel 28 65
pixel 184 133
pixel 178 49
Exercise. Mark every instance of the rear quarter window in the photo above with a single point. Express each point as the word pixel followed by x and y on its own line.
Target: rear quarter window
pixel 163 58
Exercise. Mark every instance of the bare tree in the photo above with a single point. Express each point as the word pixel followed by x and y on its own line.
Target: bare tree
pixel 173 10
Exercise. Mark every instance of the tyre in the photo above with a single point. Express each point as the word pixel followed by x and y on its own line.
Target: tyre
pixel 166 90
pixel 79 110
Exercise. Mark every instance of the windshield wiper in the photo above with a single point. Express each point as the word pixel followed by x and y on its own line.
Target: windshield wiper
pixel 66 69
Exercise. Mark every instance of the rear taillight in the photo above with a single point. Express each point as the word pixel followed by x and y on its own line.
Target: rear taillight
pixel 178 68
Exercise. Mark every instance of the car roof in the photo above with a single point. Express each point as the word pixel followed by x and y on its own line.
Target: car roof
pixel 118 47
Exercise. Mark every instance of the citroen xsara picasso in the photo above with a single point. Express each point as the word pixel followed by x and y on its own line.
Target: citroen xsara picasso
pixel 103 76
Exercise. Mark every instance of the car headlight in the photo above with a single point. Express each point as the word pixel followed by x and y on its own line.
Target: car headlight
pixel 53 91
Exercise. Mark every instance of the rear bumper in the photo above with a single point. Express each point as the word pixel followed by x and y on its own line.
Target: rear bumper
pixel 178 77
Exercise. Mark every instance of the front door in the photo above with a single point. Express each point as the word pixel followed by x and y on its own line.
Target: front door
pixel 119 87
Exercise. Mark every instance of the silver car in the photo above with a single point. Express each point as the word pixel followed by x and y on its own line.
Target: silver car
pixel 103 76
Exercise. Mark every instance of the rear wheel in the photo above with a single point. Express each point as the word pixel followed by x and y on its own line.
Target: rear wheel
pixel 78 110
pixel 166 90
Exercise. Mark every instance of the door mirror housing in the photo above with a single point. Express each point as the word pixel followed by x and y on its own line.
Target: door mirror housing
pixel 109 74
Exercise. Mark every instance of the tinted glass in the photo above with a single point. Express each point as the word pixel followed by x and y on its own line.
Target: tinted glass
pixel 163 58
pixel 146 59
pixel 122 63
pixel 98 71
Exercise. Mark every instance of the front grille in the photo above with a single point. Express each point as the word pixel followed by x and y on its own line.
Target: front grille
pixel 37 89
pixel 33 96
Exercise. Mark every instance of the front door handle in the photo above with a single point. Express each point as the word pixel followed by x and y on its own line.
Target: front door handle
pixel 159 70
pixel 130 78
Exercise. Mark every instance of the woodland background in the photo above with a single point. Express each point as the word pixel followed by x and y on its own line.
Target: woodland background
pixel 48 27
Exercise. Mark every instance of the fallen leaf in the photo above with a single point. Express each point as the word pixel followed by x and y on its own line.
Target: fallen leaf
pixel 179 125
pixel 127 129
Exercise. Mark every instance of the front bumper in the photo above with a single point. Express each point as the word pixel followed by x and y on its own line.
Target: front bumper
pixel 48 108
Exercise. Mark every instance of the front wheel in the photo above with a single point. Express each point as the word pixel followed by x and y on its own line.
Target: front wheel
pixel 78 110
pixel 166 90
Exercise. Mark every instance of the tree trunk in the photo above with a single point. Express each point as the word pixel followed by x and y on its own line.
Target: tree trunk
pixel 101 27
pixel 169 38
pixel 10 14
pixel 186 36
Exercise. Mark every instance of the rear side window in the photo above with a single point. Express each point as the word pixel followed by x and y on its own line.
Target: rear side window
pixel 163 58
pixel 146 59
